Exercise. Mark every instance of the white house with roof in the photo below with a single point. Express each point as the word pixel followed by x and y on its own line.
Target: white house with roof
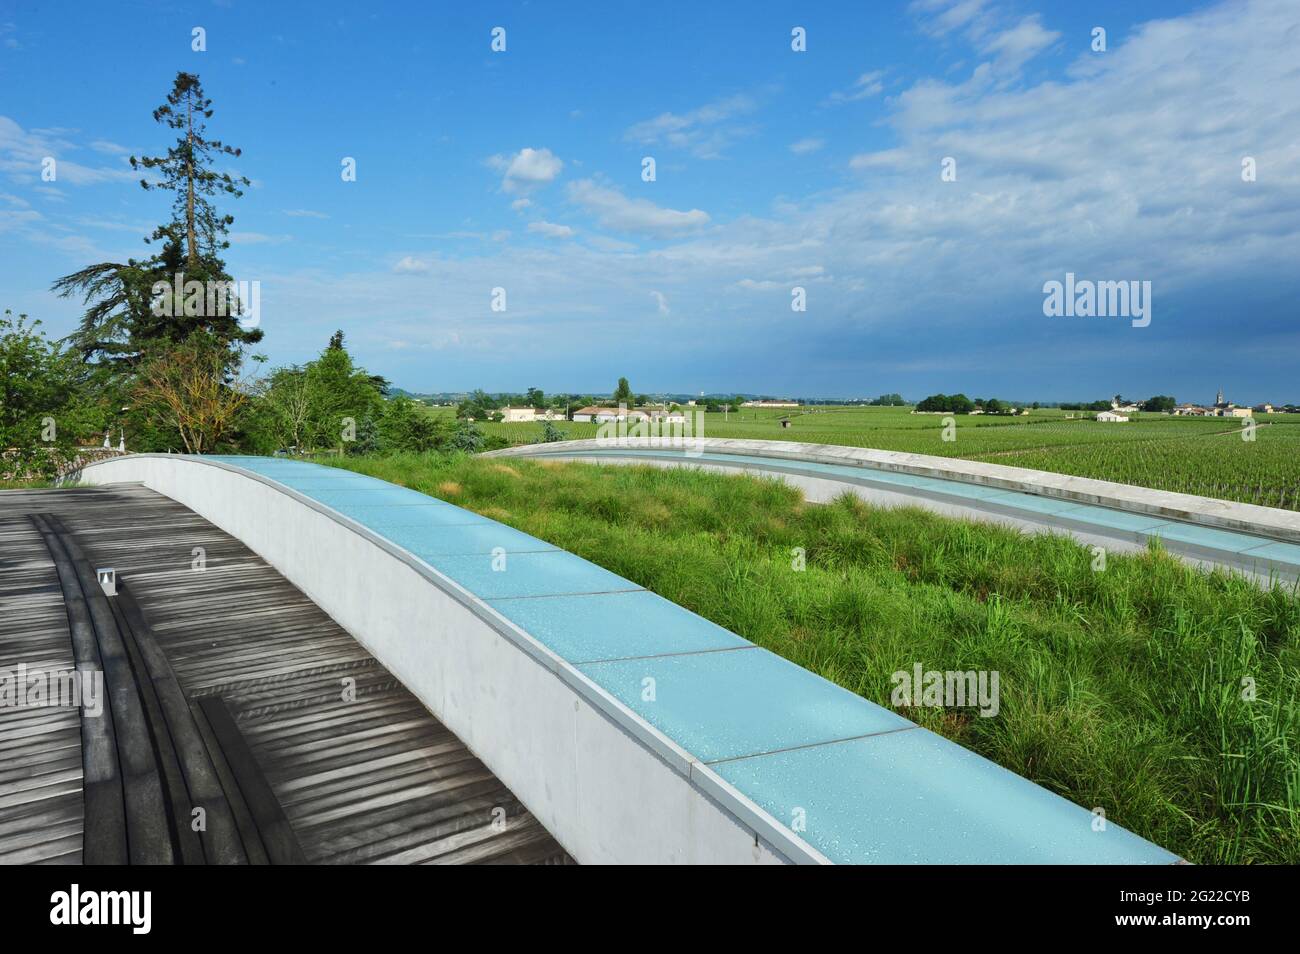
pixel 604 415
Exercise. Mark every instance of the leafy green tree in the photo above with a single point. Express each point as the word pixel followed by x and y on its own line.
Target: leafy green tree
pixel 623 393
pixel 551 433
pixel 951 403
pixel 341 393
pixel 43 411
pixel 309 407
pixel 479 405
pixel 286 408
pixel 184 389
pixel 405 426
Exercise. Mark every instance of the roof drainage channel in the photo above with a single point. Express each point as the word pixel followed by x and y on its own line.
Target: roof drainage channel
pixel 854 780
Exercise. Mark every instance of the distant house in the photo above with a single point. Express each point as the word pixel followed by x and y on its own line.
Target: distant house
pixel 770 404
pixel 1191 410
pixel 517 415
pixel 1263 409
pixel 604 415
pixel 1111 417
pixel 670 417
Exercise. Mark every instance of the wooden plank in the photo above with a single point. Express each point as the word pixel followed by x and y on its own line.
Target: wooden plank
pixel 149 838
pixel 277 835
pixel 219 841
pixel 104 801
pixel 185 840
pixel 370 778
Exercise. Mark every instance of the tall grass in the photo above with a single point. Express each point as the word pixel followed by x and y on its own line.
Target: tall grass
pixel 1121 689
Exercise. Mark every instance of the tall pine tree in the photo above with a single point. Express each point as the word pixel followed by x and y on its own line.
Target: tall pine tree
pixel 123 318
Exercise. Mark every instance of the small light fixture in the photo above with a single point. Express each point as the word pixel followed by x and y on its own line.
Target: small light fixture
pixel 107 580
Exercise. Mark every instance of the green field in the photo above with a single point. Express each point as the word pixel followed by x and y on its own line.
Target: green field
pixel 1120 689
pixel 1205 456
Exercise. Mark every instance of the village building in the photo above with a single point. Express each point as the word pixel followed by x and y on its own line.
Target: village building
pixel 605 415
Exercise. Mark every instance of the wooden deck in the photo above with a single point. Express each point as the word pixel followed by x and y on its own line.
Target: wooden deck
pixel 361 770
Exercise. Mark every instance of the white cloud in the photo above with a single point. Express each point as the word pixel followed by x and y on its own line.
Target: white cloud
pixel 1012 48
pixel 983 25
pixel 409 265
pixel 804 146
pixel 866 86
pixel 109 148
pixel 705 131
pixel 114 225
pixel 527 169
pixel 304 214
pixel 604 243
pixel 883 158
pixel 22 152
pixel 520 204
pixel 661 301
pixel 941 17
pixel 614 210
pixel 550 229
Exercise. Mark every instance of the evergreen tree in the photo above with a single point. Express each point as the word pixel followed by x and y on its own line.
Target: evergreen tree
pixel 623 393
pixel 126 310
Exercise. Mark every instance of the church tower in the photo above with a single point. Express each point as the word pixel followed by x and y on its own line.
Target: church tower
pixel 1218 400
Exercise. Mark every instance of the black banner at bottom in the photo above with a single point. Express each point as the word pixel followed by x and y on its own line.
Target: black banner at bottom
pixel 338 904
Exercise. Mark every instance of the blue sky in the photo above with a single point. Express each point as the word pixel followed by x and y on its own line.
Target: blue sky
pixel 775 169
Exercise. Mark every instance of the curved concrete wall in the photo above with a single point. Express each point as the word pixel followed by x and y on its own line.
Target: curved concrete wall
pixel 605 783
pixel 741 757
pixel 1207 511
